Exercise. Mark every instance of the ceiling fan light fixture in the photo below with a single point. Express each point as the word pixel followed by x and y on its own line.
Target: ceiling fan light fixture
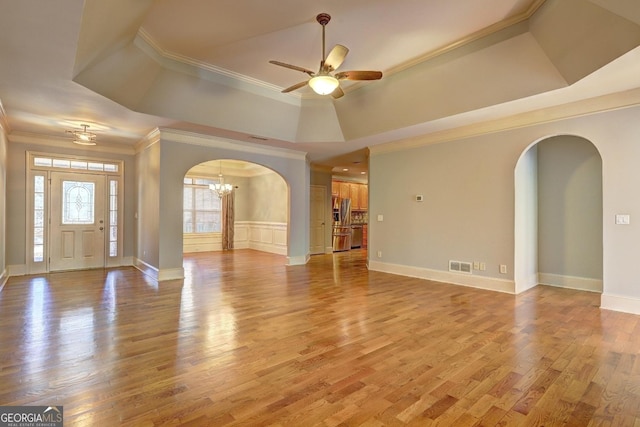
pixel 323 84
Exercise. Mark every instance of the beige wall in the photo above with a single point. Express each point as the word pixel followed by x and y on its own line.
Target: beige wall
pixel 269 198
pixel 469 190
pixel 148 204
pixel 3 206
pixel 569 208
pixel 17 193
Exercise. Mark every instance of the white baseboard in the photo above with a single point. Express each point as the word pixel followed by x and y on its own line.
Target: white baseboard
pixel 328 250
pixel 620 303
pixel 17 270
pixel 3 279
pixel 570 282
pixel 267 247
pixel 159 275
pixel 298 260
pixel 145 268
pixel 170 274
pixel 529 282
pixel 480 282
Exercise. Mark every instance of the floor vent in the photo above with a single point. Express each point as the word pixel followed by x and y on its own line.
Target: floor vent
pixel 460 266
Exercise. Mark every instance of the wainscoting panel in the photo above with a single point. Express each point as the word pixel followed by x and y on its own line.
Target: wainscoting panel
pixel 262 236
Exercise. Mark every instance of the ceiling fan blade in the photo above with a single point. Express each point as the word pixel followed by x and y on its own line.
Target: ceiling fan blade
pixel 337 93
pixel 293 67
pixel 335 57
pixel 294 87
pixel 359 75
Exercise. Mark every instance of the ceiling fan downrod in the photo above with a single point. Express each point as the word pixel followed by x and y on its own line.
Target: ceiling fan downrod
pixel 323 19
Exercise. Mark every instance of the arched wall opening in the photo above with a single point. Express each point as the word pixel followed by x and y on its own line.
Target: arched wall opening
pixel 558 215
pixel 259 213
pixel 161 165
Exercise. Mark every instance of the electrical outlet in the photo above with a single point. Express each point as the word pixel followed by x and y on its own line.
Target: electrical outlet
pixel 379 254
pixel 483 266
pixel 503 269
pixel 476 265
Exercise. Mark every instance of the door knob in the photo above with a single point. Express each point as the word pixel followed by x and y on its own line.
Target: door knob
pixel 101 228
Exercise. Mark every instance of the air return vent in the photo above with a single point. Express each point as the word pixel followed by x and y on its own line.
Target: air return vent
pixel 460 266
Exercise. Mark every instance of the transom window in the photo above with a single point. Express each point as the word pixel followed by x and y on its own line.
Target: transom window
pixel 59 163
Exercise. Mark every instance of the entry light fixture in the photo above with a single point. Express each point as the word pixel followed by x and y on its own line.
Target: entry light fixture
pixel 220 188
pixel 83 137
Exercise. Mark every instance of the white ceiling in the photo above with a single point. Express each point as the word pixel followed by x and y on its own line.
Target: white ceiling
pixel 132 54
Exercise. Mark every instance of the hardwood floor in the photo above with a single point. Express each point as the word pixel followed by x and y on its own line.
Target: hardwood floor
pixel 245 340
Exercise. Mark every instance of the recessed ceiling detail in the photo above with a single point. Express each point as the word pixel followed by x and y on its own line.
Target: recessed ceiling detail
pixel 192 66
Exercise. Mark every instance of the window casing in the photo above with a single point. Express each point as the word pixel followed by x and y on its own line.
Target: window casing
pixel 202 207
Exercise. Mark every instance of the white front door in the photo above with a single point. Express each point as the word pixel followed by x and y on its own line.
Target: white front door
pixel 77 232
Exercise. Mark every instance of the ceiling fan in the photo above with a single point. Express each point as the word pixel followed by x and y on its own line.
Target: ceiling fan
pixel 324 82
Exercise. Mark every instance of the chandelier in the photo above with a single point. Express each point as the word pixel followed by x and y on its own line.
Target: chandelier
pixel 220 187
pixel 83 137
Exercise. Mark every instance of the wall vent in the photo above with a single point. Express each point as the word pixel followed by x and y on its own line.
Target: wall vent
pixel 460 266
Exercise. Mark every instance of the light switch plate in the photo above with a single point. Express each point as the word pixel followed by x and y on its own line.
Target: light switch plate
pixel 380 217
pixel 623 219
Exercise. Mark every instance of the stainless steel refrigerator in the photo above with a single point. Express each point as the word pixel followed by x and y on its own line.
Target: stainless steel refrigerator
pixel 341 224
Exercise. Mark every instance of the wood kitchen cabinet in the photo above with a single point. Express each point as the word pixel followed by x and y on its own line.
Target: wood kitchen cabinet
pixel 345 190
pixel 363 197
pixel 357 193
pixel 354 195
pixel 335 188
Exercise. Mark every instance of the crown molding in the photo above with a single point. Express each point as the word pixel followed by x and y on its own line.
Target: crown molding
pixel 148 44
pixel 4 120
pixel 192 138
pixel 148 140
pixel 484 32
pixel 219 75
pixel 600 104
pixel 60 142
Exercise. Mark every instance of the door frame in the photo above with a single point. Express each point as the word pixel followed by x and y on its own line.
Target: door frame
pixel 323 190
pixel 112 170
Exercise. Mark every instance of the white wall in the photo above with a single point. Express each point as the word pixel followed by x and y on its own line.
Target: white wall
pixel 468 213
pixel 526 221
pixel 148 207
pixel 269 198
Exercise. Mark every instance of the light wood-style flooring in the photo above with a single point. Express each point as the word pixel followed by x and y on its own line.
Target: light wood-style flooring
pixel 246 340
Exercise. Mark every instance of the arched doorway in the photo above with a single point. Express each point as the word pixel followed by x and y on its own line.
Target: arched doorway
pixel 558 215
pixel 260 208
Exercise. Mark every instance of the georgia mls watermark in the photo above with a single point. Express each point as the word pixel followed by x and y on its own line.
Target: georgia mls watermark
pixel 31 416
